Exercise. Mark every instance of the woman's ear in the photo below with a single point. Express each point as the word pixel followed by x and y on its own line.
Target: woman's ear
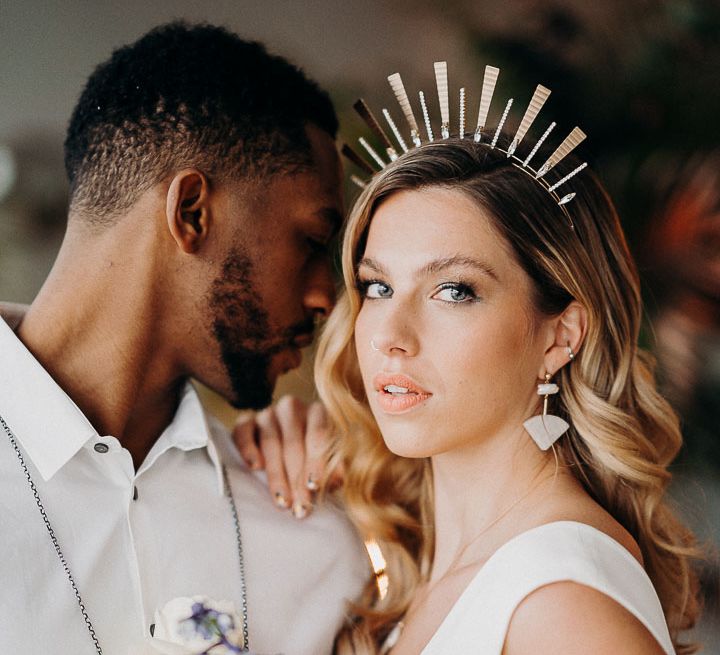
pixel 569 329
pixel 187 209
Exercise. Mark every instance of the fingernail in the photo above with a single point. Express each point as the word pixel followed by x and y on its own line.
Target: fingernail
pixel 300 510
pixel 251 463
pixel 311 484
pixel 280 500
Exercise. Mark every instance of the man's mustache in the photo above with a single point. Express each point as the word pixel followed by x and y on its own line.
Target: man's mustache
pixel 281 341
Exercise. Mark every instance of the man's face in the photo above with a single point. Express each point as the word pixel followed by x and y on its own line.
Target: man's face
pixel 276 277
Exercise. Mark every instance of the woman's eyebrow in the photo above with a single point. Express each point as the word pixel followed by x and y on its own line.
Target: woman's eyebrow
pixel 372 265
pixel 438 265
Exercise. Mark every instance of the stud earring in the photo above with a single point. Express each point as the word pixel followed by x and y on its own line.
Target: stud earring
pixel 571 354
pixel 545 429
pixel 373 346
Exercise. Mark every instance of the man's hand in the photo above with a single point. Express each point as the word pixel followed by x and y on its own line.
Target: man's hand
pixel 290 441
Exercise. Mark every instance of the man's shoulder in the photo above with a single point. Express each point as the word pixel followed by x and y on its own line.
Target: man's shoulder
pixel 328 523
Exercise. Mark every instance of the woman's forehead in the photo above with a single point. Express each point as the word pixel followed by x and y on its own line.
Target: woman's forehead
pixel 434 223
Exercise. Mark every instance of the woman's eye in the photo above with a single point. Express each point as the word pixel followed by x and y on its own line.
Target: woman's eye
pixel 455 293
pixel 376 290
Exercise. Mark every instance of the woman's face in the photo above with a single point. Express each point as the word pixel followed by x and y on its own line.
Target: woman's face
pixel 449 344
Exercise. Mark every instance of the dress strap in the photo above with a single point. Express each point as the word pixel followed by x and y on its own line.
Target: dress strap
pixel 562 551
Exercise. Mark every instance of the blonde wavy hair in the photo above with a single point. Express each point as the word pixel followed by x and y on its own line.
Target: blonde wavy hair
pixel 623 435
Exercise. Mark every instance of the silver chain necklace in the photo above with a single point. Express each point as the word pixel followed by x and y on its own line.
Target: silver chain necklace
pixel 66 568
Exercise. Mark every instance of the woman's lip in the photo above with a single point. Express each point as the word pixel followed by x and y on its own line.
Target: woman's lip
pixel 383 380
pixel 398 403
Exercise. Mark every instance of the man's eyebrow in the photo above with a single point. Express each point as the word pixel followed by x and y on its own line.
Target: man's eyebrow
pixel 438 265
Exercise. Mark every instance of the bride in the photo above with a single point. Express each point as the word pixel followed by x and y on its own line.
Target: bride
pixel 472 299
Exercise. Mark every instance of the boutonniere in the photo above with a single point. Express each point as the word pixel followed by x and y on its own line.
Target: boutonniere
pixel 196 626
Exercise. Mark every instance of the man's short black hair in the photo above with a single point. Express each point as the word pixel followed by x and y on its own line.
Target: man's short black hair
pixel 187 95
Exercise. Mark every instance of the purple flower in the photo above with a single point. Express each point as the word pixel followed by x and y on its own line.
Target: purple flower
pixel 207 623
pixel 201 626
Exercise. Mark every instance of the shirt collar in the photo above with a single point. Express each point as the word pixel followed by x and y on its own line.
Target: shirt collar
pixel 188 430
pixel 45 421
pixel 51 428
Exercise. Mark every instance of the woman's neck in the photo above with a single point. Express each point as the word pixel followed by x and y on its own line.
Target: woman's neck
pixel 484 495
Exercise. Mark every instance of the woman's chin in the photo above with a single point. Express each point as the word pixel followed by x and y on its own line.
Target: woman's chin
pixel 403 447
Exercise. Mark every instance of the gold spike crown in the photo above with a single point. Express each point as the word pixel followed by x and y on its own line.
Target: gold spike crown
pixel 537 101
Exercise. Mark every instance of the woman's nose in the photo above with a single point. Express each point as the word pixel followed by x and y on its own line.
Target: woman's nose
pixel 395 334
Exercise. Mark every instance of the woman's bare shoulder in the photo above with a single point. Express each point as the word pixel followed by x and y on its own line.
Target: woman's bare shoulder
pixel 575 504
pixel 567 618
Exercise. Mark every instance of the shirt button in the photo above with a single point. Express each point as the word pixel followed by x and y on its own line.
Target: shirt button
pixel 101 447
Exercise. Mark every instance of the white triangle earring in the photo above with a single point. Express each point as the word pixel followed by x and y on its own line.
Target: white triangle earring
pixel 546 429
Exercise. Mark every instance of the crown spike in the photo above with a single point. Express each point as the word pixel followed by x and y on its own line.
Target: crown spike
pixel 358 182
pixel 568 176
pixel 399 90
pixel 371 151
pixel 575 138
pixel 501 123
pixel 488 89
pixel 491 75
pixel 441 79
pixel 533 109
pixel 545 135
pixel 426 116
pixel 356 159
pixel 395 130
pixel 366 114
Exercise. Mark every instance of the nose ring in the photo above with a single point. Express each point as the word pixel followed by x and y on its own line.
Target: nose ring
pixel 373 346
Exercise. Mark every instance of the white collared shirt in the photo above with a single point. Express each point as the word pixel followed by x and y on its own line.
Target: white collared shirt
pixel 135 540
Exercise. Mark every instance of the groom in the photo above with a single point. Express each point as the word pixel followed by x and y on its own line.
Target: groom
pixel 205 190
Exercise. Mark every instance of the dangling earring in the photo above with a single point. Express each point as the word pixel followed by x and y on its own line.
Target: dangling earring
pixel 546 429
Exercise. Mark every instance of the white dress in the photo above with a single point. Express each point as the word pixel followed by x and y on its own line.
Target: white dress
pixel 562 551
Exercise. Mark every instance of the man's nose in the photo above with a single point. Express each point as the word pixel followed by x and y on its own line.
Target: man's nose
pixel 319 295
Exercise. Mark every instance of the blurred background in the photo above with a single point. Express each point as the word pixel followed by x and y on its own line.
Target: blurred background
pixel 641 77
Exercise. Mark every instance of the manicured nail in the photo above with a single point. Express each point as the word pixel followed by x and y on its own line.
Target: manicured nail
pixel 311 484
pixel 300 510
pixel 280 500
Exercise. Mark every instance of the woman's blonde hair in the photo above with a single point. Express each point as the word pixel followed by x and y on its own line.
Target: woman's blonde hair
pixel 623 435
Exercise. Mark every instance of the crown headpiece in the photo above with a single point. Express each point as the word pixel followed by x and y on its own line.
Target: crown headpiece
pixel 480 134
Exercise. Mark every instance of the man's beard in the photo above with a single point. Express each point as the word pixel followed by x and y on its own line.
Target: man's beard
pixel 241 327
